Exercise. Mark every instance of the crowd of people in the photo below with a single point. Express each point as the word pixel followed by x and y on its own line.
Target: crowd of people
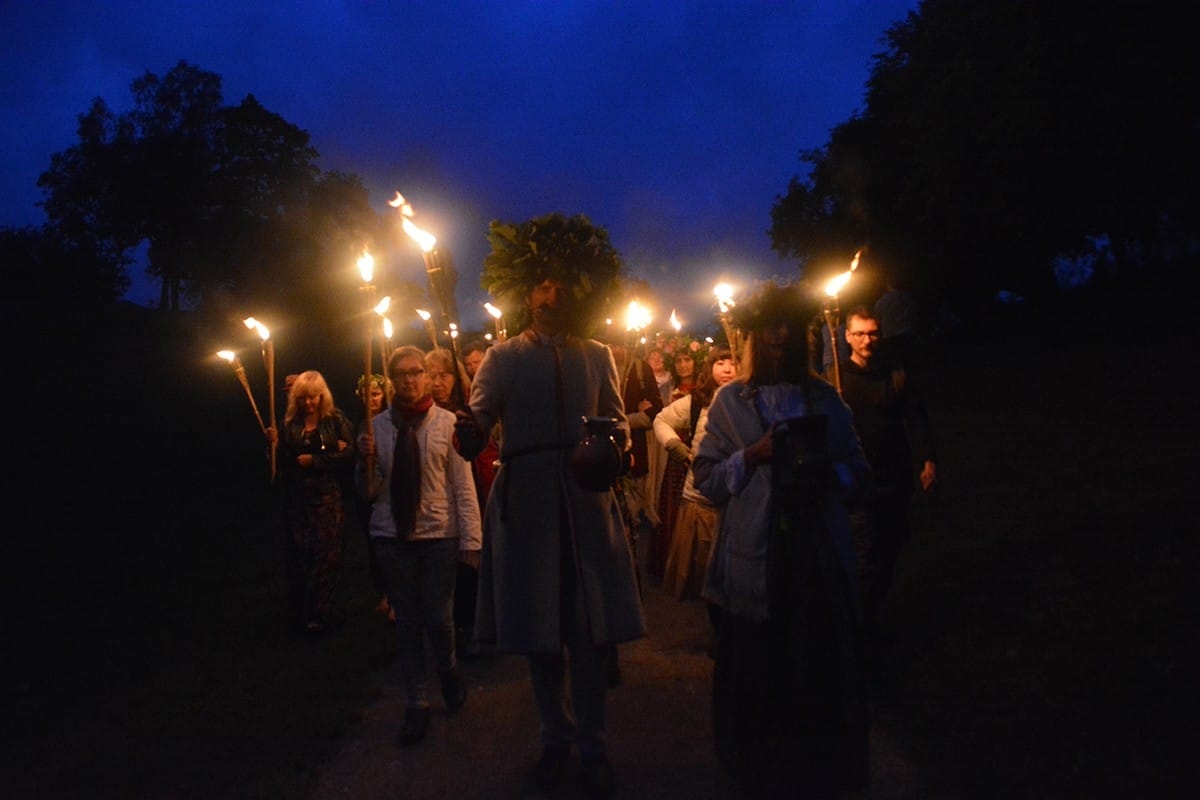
pixel 743 481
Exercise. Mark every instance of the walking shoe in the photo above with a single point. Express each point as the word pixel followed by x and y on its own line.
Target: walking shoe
pixel 454 688
pixel 416 725
pixel 547 773
pixel 598 777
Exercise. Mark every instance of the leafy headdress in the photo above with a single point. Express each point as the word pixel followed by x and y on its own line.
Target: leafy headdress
pixel 570 250
pixel 795 303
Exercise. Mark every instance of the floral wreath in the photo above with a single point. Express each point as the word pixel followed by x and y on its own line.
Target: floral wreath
pixel 376 380
pixel 677 343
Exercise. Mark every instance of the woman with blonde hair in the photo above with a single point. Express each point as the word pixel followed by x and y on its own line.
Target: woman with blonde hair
pixel 316 456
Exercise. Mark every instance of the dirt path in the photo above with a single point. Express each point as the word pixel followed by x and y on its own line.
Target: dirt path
pixel 658 720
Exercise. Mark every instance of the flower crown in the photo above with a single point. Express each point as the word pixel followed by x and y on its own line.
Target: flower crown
pixel 376 380
pixel 675 344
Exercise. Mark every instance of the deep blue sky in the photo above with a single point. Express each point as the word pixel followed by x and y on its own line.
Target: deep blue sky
pixel 673 124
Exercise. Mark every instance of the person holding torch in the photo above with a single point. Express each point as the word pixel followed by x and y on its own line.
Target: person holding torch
pixel 316 455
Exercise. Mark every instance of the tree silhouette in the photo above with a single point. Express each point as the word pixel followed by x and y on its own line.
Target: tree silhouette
pixel 997 136
pixel 225 200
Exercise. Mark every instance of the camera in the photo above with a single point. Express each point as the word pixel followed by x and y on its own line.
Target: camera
pixel 800 461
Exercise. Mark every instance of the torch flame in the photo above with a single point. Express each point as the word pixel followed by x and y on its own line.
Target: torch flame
pixel 387 328
pixel 398 202
pixel 837 283
pixel 423 314
pixel 675 323
pixel 724 293
pixel 257 327
pixel 495 312
pixel 383 305
pixel 424 239
pixel 366 266
pixel 228 355
pixel 637 316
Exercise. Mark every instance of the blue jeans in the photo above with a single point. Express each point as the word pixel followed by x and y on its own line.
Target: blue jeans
pixel 419 577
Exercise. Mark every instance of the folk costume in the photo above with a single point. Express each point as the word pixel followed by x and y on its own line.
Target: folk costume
pixel 556 568
pixel 788 704
pixel 697 519
pixel 637 384
pixel 781 458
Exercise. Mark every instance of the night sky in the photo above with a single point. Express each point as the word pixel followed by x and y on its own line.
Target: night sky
pixel 672 124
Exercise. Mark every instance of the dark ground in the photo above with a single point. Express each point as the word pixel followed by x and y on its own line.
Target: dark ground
pixel 1044 620
pixel 660 732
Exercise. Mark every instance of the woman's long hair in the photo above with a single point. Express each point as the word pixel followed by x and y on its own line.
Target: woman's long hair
pixel 706 385
pixel 795 365
pixel 772 306
pixel 309 383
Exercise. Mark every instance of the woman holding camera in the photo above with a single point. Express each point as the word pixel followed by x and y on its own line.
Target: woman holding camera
pixel 779 457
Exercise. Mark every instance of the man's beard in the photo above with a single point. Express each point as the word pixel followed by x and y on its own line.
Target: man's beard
pixel 550 315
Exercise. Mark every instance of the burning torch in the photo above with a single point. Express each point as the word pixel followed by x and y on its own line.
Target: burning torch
pixel 832 313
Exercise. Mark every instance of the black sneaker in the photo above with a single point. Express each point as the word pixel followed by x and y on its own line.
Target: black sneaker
pixel 454 688
pixel 416 725
pixel 598 777
pixel 547 773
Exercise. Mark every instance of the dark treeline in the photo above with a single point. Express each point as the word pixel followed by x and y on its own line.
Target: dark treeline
pixel 994 138
pixel 999 135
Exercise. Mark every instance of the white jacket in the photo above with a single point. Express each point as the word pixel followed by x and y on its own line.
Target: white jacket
pixel 449 507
